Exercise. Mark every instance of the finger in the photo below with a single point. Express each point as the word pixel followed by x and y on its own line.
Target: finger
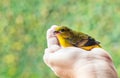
pixel 52 49
pixel 48 55
pixel 51 39
pixel 50 31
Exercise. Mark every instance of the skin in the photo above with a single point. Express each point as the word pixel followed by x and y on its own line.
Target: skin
pixel 73 62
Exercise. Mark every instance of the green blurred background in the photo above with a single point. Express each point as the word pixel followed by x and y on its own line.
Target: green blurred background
pixel 23 26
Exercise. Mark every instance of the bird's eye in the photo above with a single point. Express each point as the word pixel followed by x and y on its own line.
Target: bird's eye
pixel 62 30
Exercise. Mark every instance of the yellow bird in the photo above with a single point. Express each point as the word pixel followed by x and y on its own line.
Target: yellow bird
pixel 68 37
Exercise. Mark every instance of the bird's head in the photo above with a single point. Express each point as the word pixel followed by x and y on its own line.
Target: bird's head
pixel 62 31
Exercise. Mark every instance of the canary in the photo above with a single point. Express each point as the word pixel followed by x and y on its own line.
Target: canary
pixel 68 37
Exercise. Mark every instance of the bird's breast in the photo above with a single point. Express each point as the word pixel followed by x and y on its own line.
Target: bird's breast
pixel 63 42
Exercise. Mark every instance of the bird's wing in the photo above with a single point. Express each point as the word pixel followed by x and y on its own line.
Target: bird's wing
pixel 83 42
pixel 91 41
pixel 77 43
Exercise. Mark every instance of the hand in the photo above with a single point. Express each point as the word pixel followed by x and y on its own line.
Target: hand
pixel 73 62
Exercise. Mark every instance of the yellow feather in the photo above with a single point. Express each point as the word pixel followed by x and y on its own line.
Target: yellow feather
pixel 68 37
pixel 63 41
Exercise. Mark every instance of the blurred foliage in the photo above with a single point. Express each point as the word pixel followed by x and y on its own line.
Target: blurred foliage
pixel 23 26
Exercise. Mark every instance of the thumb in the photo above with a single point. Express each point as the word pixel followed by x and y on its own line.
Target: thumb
pixel 51 39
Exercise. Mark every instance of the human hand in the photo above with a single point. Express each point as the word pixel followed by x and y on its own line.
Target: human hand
pixel 73 62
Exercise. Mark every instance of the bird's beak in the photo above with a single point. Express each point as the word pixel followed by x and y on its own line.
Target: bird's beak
pixel 56 32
